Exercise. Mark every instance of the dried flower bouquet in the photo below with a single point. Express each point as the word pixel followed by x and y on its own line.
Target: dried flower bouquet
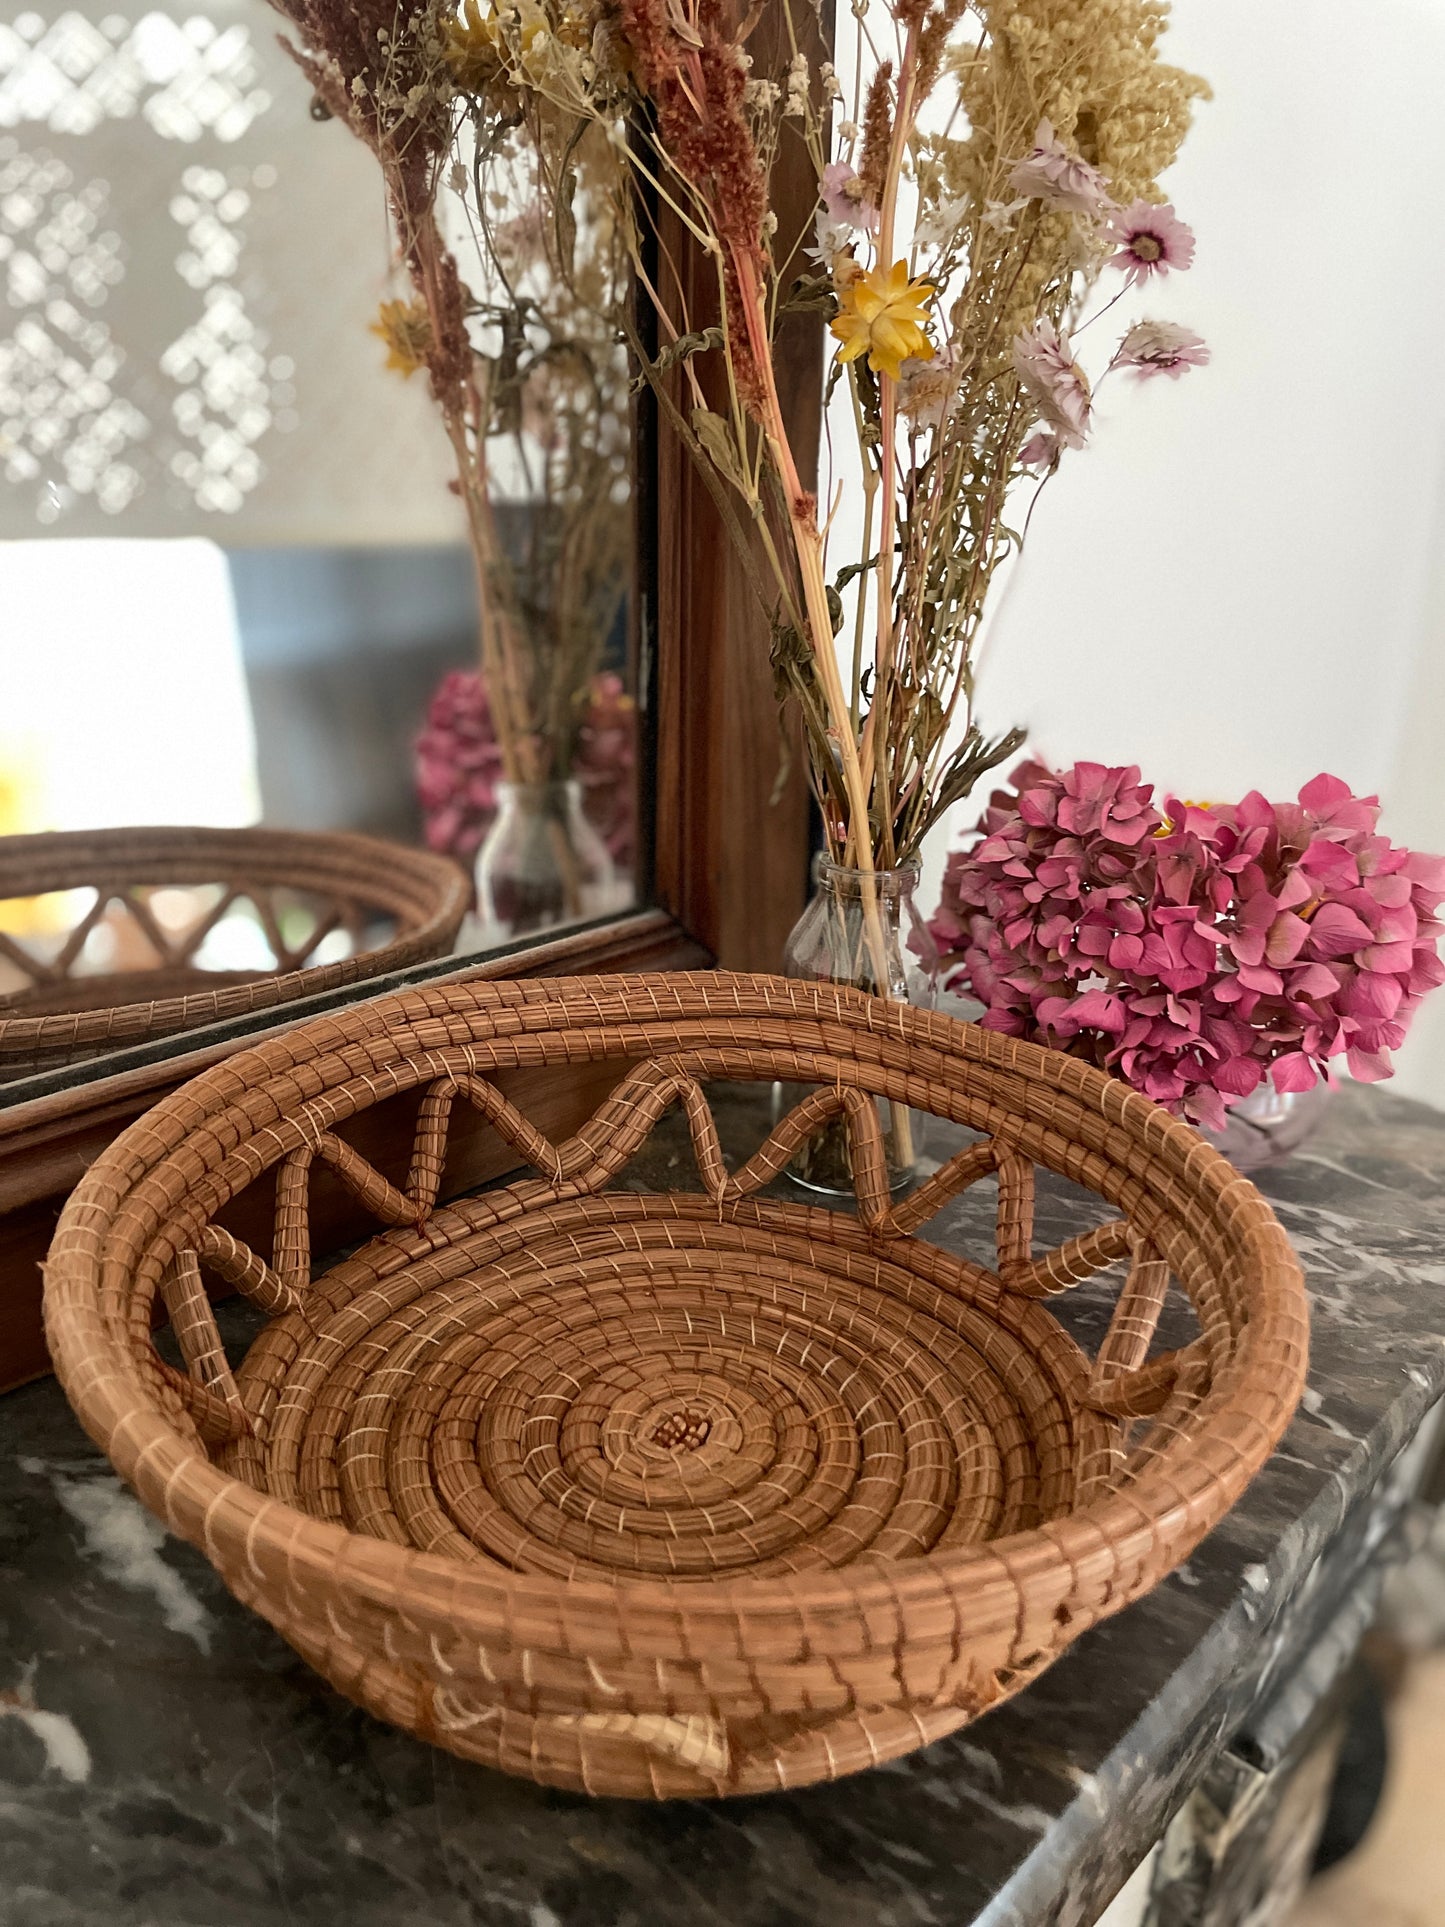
pixel 988 164
pixel 523 354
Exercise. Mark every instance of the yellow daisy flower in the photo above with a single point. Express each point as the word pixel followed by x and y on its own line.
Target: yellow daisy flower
pixel 884 315
pixel 405 327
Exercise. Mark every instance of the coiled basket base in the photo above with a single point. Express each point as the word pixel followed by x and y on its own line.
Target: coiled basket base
pixel 628 1385
pixel 686 1492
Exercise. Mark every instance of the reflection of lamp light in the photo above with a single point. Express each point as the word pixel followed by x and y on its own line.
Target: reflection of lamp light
pixel 123 696
pixel 190 265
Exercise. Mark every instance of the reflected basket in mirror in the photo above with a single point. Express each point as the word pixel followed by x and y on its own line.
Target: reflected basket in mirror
pixel 112 937
pixel 684 1491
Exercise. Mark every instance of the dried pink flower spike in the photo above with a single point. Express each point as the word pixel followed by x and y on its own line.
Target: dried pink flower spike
pixel 1152 240
pixel 1054 382
pixel 1160 348
pixel 1051 174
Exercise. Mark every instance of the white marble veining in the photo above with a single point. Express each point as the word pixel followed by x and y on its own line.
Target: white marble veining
pixel 126 1542
pixel 66 1752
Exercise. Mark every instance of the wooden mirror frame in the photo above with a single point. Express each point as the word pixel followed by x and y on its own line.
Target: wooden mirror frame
pixel 727 867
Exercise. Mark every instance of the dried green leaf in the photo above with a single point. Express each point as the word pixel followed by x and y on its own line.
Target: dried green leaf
pixel 975 756
pixel 716 438
pixel 853 571
pixel 696 343
pixel 810 294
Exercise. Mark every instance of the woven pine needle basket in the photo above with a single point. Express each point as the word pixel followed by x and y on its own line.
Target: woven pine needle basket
pixel 660 1494
pixel 398 906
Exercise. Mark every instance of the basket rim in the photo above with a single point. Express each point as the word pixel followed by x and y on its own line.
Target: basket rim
pixel 1110 1535
pixel 428 887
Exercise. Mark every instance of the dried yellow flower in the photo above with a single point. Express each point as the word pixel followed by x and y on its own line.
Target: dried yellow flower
pixel 885 315
pixel 405 327
pixel 475 50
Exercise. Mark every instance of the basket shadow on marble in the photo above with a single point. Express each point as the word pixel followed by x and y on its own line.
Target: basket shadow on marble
pixel 658 1494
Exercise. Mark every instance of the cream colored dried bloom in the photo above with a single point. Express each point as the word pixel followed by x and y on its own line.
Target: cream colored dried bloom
pixel 796 103
pixel 926 389
pixel 1090 69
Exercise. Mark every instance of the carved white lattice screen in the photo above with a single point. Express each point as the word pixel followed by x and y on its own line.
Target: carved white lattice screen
pixel 189 264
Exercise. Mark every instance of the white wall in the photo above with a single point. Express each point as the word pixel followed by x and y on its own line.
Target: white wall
pixel 1237 586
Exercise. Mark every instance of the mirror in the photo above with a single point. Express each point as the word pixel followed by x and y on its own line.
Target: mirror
pixel 258 566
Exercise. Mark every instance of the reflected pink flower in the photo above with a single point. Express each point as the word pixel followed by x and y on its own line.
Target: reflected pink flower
pixel 1152 240
pixel 458 764
pixel 1160 348
pixel 1051 174
pixel 1054 382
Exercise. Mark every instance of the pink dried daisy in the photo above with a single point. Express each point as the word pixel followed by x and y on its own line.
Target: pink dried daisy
pixel 1051 174
pixel 1041 450
pixel 1054 382
pixel 846 199
pixel 1160 348
pixel 1152 240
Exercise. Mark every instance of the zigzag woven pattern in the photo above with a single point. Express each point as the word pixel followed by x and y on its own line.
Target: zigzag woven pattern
pixel 395 906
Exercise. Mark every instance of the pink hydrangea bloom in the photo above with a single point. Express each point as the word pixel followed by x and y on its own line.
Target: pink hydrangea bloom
pixel 459 765
pixel 1054 382
pixel 1152 240
pixel 1051 174
pixel 1193 951
pixel 1160 348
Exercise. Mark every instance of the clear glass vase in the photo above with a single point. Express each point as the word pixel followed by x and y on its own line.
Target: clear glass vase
pixel 1269 1125
pixel 863 930
pixel 541 864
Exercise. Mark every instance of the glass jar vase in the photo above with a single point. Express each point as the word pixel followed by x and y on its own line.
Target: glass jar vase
pixel 542 864
pixel 1269 1125
pixel 864 930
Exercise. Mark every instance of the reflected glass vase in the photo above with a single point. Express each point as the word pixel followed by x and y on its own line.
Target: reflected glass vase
pixel 866 932
pixel 542 864
pixel 1269 1125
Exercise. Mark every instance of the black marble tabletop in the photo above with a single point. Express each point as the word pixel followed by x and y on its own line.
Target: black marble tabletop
pixel 165 1761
